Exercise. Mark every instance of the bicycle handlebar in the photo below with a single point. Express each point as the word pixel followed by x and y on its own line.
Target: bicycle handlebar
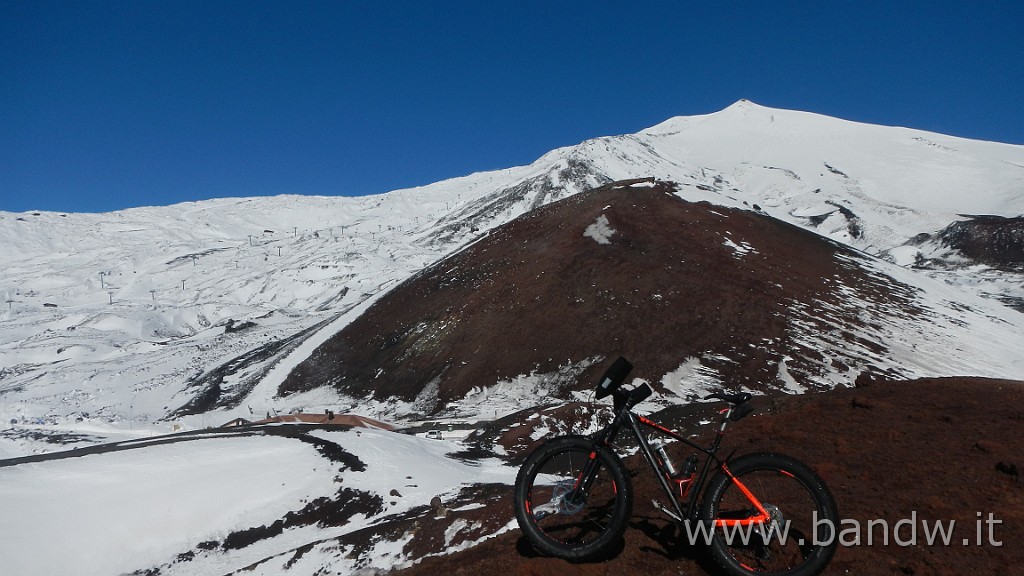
pixel 613 378
pixel 628 399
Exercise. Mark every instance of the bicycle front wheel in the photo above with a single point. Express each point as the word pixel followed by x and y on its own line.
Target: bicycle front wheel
pixel 798 539
pixel 573 498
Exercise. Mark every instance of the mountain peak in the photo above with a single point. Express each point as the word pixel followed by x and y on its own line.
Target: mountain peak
pixel 741 108
pixel 744 104
pixel 747 109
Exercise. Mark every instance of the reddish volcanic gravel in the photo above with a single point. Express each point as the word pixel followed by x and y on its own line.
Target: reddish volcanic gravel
pixel 928 450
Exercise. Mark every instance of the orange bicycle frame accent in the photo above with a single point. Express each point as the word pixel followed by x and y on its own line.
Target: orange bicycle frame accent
pixel 762 514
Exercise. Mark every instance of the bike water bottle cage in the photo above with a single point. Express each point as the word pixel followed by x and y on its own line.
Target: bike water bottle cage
pixel 613 377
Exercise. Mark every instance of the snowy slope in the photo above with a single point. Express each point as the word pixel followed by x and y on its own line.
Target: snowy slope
pixel 118 318
pixel 166 505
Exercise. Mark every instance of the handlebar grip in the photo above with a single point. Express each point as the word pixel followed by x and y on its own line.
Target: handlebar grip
pixel 639 394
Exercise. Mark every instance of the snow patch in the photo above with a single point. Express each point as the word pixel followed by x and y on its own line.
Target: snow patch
pixel 692 380
pixel 905 256
pixel 740 250
pixel 790 385
pixel 509 396
pixel 600 230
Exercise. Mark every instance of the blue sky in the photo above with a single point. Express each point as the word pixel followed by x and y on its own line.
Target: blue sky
pixel 109 104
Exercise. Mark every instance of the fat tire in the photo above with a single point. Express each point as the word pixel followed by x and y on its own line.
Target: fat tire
pixel 793 475
pixel 613 523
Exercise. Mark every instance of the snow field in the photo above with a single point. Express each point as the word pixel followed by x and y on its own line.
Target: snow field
pixel 117 512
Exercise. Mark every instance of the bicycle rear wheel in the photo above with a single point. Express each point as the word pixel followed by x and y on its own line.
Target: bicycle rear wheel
pixel 799 540
pixel 572 498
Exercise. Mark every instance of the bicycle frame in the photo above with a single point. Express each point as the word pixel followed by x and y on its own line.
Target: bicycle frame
pixel 580 514
pixel 636 424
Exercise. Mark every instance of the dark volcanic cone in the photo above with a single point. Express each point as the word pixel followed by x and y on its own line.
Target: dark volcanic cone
pixel 993 240
pixel 626 269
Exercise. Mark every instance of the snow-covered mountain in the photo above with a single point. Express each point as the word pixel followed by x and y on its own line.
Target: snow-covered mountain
pixel 112 316
pixel 125 325
pixel 120 318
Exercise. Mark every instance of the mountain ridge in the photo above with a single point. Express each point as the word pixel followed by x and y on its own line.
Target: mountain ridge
pixel 135 304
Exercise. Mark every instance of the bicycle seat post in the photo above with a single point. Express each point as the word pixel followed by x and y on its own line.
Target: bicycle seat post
pixel 725 412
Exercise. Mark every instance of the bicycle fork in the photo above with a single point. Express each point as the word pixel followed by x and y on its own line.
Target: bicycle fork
pixel 581 487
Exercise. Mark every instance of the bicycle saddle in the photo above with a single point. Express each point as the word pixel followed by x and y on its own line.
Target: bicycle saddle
pixel 737 398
